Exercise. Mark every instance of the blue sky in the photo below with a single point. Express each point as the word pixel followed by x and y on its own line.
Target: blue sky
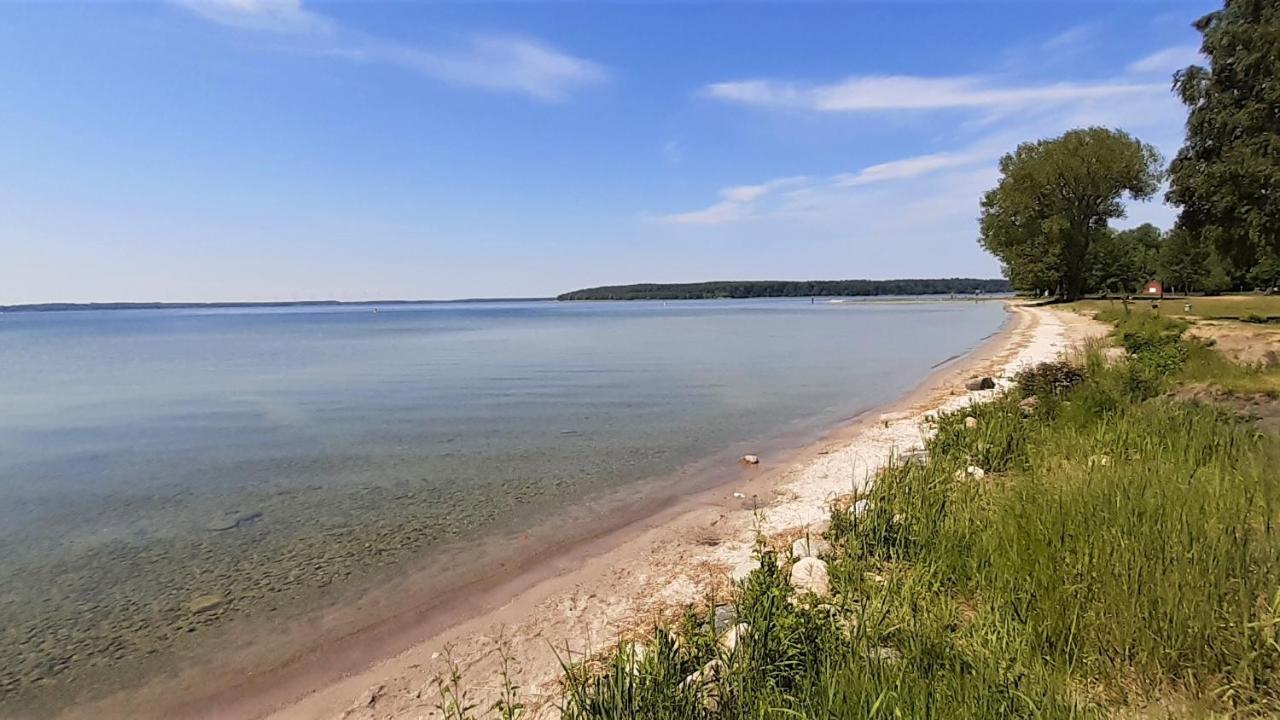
pixel 283 149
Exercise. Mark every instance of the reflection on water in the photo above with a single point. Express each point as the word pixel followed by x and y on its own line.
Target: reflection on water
pixel 164 473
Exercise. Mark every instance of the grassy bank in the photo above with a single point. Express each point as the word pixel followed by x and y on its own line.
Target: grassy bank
pixel 1103 550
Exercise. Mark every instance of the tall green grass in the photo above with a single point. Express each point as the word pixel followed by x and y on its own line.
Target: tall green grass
pixel 1119 556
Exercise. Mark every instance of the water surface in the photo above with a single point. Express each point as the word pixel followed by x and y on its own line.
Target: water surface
pixel 165 473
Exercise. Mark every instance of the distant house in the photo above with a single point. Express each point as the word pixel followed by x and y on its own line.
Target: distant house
pixel 1153 289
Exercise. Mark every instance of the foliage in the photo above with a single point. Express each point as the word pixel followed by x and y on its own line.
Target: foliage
pixel 787 288
pixel 1225 175
pixel 1124 260
pixel 1054 200
pixel 1184 261
pixel 1049 379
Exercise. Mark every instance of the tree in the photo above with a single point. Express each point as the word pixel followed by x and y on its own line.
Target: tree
pixel 1184 261
pixel 1122 260
pixel 1054 200
pixel 1144 243
pixel 1225 178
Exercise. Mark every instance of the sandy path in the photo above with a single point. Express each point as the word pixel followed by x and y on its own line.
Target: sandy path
pixel 678 559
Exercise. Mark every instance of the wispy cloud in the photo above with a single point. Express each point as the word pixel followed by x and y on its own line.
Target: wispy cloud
pixel 499 63
pixel 1168 60
pixel 1072 37
pixel 735 203
pixel 869 93
pixel 279 16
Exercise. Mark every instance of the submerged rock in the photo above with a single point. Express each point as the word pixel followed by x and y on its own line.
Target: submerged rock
pixel 206 603
pixel 231 521
pixel 809 575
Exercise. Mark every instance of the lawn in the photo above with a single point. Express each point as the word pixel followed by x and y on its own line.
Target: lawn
pixel 1222 307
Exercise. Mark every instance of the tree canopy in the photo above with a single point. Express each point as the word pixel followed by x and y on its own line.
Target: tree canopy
pixel 1226 176
pixel 1054 201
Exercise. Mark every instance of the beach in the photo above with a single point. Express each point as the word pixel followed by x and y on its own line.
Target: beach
pixel 563 602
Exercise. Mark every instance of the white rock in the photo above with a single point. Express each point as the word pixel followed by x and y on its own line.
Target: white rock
pixel 729 640
pixel 809 575
pixel 739 495
pixel 861 507
pixel 751 459
pixel 970 422
pixel 741 572
pixel 972 472
pixel 810 547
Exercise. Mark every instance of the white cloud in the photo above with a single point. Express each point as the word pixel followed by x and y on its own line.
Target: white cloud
pixel 905 168
pixel 499 63
pixel 286 16
pixel 905 92
pixel 1167 61
pixel 1071 37
pixel 735 203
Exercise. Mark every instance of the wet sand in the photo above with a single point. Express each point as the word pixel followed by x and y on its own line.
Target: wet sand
pixel 554 592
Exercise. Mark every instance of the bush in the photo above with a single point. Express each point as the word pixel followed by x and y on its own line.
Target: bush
pixel 1049 379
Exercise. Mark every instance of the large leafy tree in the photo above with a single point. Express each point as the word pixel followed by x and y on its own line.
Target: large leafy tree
pixel 1184 261
pixel 1226 177
pixel 1054 200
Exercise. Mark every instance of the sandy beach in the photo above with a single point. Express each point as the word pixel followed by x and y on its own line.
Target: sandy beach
pixel 581 597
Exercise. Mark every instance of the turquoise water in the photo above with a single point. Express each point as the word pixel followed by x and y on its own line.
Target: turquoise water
pixel 268 456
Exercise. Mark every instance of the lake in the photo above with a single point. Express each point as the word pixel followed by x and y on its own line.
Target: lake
pixel 167 474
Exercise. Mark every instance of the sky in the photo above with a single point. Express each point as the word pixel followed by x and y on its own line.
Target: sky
pixel 253 150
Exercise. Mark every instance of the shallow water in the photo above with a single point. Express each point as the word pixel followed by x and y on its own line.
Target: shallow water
pixel 267 457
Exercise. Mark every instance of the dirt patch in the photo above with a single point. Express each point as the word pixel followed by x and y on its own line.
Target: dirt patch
pixel 1263 409
pixel 1245 343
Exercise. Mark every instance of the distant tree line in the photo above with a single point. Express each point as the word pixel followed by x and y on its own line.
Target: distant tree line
pixel 789 288
pixel 1048 218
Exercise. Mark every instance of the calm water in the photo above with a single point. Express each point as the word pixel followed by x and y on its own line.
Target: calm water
pixel 263 457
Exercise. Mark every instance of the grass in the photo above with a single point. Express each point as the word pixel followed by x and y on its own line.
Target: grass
pixel 1251 308
pixel 1119 557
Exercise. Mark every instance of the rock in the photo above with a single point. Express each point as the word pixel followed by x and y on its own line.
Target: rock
pixel 861 507
pixel 723 617
pixel 809 575
pixel 982 383
pixel 739 495
pixel 231 521
pixel 972 472
pixel 970 422
pixel 729 640
pixel 885 654
pixel 751 459
pixel 810 547
pixel 741 572
pixel 206 603
pixel 1029 404
pixel 919 455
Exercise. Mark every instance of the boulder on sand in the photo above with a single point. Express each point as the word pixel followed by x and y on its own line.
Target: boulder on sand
pixel 751 459
pixel 810 547
pixel 809 575
pixel 982 383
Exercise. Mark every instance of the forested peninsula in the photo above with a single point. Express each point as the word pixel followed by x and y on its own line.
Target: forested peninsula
pixel 788 288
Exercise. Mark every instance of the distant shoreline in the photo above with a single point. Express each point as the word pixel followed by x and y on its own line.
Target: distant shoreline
pixel 64 307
